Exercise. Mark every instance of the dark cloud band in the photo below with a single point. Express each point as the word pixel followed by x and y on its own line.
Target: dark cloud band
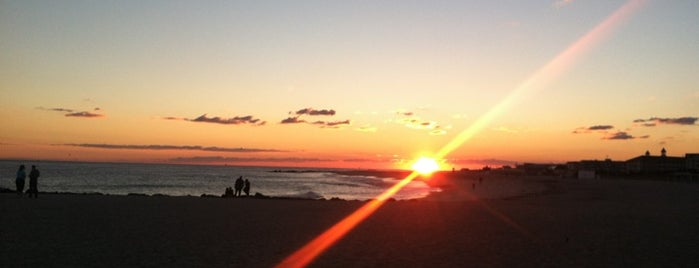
pixel 651 122
pixel 221 159
pixel 621 135
pixel 172 147
pixel 237 120
pixel 311 111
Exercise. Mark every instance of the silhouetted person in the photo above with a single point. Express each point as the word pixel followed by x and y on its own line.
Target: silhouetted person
pixel 239 186
pixel 229 192
pixel 33 182
pixel 246 189
pixel 19 180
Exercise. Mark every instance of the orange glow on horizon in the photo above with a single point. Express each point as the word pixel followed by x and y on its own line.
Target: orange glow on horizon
pixel 547 73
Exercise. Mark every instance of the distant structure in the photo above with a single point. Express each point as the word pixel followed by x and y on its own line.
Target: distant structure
pixel 646 164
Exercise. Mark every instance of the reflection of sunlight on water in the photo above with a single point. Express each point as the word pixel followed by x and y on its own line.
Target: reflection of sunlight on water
pixel 331 185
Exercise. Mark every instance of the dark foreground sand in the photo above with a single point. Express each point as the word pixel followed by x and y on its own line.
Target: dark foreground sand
pixel 597 223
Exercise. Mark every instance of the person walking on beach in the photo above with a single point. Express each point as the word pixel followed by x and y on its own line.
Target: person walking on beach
pixel 246 189
pixel 33 182
pixel 238 186
pixel 19 180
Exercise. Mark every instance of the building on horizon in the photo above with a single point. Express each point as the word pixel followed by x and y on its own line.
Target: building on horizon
pixel 651 164
pixel 646 164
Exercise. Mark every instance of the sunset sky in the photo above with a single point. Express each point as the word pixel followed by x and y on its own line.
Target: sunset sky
pixel 359 84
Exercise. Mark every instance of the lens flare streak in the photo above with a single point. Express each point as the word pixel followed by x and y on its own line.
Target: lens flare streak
pixel 310 251
pixel 538 80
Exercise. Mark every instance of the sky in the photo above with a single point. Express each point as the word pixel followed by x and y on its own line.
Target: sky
pixel 354 84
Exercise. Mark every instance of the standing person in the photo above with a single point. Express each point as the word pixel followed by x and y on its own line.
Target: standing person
pixel 246 189
pixel 33 182
pixel 19 180
pixel 238 186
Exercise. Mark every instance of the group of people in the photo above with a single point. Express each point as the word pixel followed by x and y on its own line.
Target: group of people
pixel 33 181
pixel 240 187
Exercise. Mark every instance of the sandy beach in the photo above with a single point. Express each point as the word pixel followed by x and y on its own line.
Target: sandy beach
pixel 500 222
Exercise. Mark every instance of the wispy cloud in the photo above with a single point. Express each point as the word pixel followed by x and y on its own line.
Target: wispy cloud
pixel 334 123
pixel 171 147
pixel 312 112
pixel 438 132
pixel 404 113
pixel 653 121
pixel 622 135
pixel 236 120
pixel 602 128
pixel 84 114
pixel 324 124
pixel 222 159
pixel 417 123
pixel 293 120
pixel 74 113
pixel 62 110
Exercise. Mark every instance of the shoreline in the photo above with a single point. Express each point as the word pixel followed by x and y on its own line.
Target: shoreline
pixel 441 184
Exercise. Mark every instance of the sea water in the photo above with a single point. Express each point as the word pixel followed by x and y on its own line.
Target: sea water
pixel 196 180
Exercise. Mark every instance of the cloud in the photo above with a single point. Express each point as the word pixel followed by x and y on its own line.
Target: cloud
pixel 84 114
pixel 409 120
pixel 73 113
pixel 416 123
pixel 602 128
pixel 171 147
pixel 438 132
pixel 62 110
pixel 622 135
pixel 331 124
pixel 293 120
pixel 404 113
pixel 221 159
pixel 237 120
pixel 653 121
pixel 337 123
pixel 174 118
pixel 312 112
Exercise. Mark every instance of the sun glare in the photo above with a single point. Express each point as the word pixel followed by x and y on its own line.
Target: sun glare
pixel 425 165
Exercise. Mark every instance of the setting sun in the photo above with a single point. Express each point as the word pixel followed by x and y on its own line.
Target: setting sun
pixel 425 165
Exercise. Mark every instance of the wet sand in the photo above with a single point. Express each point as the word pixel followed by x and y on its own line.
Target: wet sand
pixel 533 222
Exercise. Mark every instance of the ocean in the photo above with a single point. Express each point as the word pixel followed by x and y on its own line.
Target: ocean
pixel 195 180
